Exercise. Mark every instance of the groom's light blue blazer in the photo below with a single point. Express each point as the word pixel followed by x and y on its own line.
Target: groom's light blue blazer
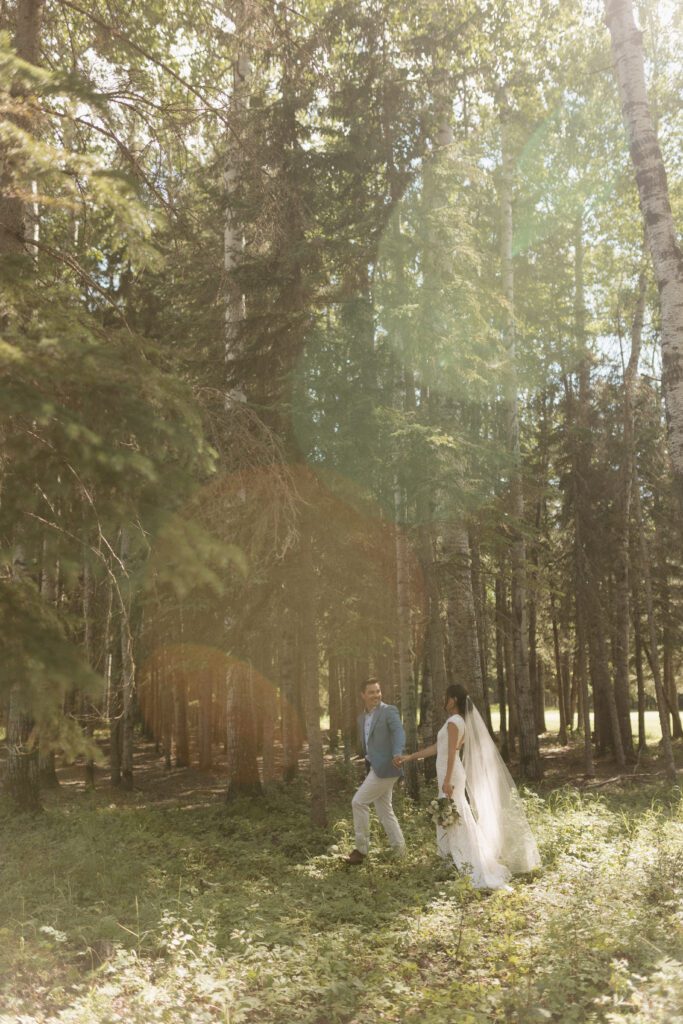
pixel 385 741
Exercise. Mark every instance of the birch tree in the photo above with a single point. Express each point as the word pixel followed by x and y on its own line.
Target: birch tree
pixel 660 230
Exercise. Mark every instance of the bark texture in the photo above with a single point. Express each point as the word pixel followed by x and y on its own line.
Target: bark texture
pixel 530 758
pixel 622 569
pixel 465 658
pixel 243 775
pixel 14 211
pixel 307 605
pixel 22 776
pixel 660 230
pixel 127 668
pixel 644 560
pixel 405 661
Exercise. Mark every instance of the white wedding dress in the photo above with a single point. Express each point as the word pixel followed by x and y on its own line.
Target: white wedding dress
pixel 466 843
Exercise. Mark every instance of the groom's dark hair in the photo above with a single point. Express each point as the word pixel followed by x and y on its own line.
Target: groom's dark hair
pixel 369 682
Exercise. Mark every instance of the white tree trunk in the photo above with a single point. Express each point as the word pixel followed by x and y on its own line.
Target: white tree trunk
pixel 660 231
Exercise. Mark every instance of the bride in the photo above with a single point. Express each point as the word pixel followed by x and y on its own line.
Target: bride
pixel 491 838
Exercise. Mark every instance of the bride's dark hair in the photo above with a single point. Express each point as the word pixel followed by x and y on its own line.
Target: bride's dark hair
pixel 459 694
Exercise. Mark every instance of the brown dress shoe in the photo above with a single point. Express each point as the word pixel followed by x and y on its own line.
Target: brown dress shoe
pixel 355 857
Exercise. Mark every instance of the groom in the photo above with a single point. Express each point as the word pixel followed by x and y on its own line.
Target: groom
pixel 381 738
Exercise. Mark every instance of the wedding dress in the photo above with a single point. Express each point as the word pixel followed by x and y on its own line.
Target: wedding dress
pixel 491 839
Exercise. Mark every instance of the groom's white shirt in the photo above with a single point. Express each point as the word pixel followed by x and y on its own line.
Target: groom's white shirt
pixel 367 726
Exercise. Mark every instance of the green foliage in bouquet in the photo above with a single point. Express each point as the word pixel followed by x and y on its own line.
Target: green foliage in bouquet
pixel 442 811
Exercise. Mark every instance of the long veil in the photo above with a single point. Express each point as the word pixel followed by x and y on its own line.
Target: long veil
pixel 494 799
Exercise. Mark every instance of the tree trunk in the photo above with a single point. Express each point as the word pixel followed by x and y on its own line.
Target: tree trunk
pixel 664 601
pixel 205 679
pixel 309 634
pixel 644 575
pixel 660 230
pixel 561 701
pixel 115 701
pixel 127 669
pixel 670 684
pixel 479 595
pixel 428 718
pixel 87 710
pixel 405 661
pixel 243 775
pixel 335 701
pixel 622 560
pixel 22 771
pixel 513 713
pixel 571 690
pixel 291 728
pixel 584 699
pixel 180 724
pixel 580 458
pixel 500 665
pixel 642 734
pixel 606 716
pixel 167 709
pixel 233 236
pixel 14 211
pixel 269 706
pixel 640 677
pixel 434 634
pixel 48 591
pixel 536 668
pixel 350 709
pixel 268 738
pixel 462 617
pixel 22 781
pixel 530 758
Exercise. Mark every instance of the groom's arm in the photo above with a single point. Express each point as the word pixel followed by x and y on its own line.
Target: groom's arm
pixel 398 736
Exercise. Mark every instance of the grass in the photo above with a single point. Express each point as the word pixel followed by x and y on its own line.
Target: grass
pixel 195 911
pixel 653 732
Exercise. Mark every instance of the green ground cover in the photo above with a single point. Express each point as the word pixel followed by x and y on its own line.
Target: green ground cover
pixel 191 911
pixel 653 732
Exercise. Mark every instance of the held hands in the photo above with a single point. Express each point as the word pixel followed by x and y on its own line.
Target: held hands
pixel 400 759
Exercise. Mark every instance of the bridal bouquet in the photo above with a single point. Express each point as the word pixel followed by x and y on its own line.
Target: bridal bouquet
pixel 442 811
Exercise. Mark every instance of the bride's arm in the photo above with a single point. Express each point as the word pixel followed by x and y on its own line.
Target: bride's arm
pixel 425 752
pixel 452 754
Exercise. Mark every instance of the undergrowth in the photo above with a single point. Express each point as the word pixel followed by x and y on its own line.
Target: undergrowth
pixel 210 913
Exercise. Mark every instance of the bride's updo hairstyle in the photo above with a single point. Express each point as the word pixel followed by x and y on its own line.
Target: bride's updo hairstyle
pixel 459 694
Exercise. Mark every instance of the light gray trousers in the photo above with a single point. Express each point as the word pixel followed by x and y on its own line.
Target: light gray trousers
pixel 378 792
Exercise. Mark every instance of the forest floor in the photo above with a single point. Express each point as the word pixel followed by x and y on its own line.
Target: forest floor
pixel 165 904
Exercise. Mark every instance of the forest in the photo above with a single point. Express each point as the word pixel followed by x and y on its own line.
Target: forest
pixel 339 340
